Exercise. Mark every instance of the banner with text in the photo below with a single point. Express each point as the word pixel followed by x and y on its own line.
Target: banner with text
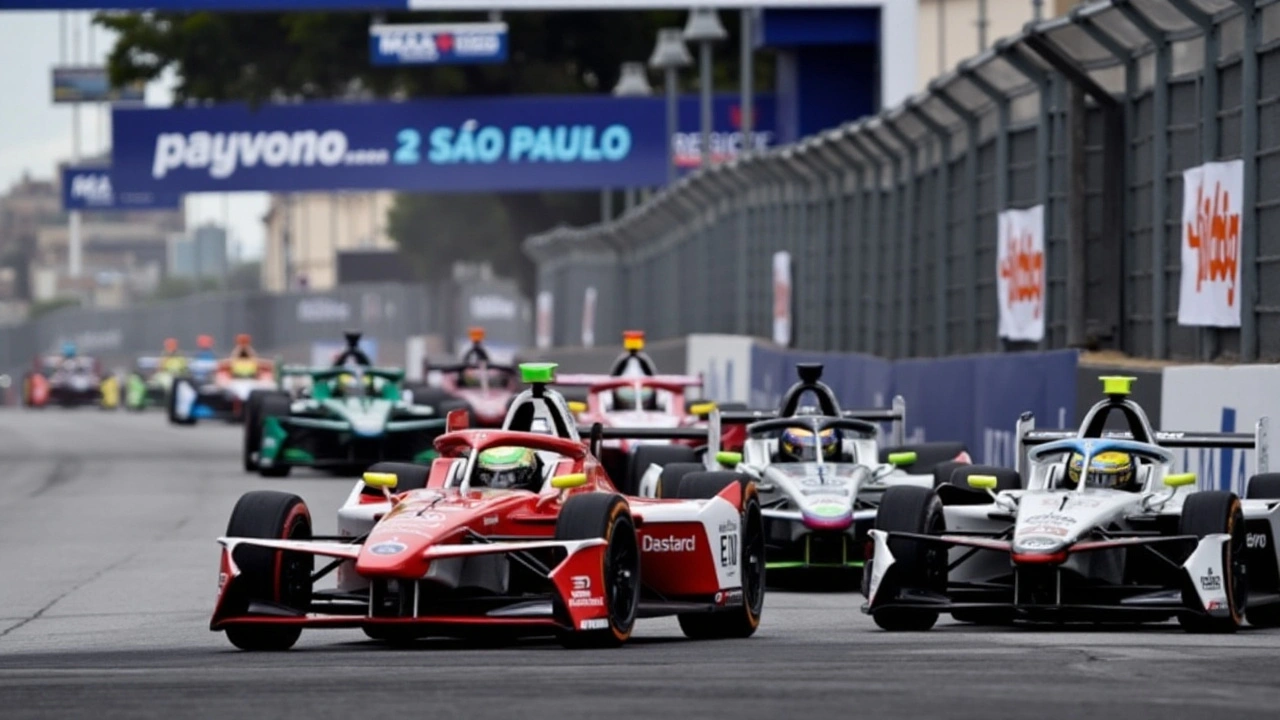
pixel 543 320
pixel 507 144
pixel 1212 195
pixel 1020 274
pixel 1211 398
pixel 782 298
pixel 438 44
pixel 91 188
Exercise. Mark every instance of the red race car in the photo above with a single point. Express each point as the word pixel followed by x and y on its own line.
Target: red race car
pixel 486 387
pixel 516 531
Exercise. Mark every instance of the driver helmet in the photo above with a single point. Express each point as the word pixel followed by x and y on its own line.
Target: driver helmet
pixel 170 346
pixel 68 350
pixel 205 342
pixel 1114 470
pixel 624 398
pixel 799 444
pixel 507 468
pixel 471 378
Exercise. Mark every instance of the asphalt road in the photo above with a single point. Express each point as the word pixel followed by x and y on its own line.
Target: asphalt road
pixel 108 571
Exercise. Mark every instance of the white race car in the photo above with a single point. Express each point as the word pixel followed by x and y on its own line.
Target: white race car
pixel 1102 530
pixel 821 472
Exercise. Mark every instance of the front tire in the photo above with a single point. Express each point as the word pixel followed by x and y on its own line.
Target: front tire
pixel 739 622
pixel 180 385
pixel 601 515
pixel 1208 513
pixel 273 405
pixel 919 565
pixel 270 576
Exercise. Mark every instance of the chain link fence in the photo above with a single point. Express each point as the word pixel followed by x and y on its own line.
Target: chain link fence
pixel 891 220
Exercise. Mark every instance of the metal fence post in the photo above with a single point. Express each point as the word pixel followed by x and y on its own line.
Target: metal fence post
pixel 970 239
pixel 907 247
pixel 941 215
pixel 1249 89
pixel 888 240
pixel 1159 179
pixel 874 236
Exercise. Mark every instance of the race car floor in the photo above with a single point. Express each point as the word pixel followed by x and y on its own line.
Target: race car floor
pixel 108 571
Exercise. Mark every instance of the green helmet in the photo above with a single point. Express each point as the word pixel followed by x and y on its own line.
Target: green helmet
pixel 507 468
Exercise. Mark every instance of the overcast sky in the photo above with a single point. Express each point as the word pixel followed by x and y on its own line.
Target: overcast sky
pixel 35 134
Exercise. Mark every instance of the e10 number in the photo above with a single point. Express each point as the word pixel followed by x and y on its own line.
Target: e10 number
pixel 728 550
pixel 1256 540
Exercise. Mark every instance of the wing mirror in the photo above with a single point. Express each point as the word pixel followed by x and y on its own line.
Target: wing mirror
pixel 385 481
pixel 577 407
pixel 902 459
pixel 564 482
pixel 982 482
pixel 1177 480
pixel 729 459
pixel 702 409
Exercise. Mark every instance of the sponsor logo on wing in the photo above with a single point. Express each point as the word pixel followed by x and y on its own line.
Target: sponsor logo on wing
pixel 1211 581
pixel 581 595
pixel 1069 515
pixel 669 543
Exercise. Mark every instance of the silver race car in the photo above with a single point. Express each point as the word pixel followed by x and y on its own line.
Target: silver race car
pixel 1101 530
pixel 820 472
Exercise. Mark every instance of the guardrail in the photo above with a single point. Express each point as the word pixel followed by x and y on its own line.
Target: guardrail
pixel 891 221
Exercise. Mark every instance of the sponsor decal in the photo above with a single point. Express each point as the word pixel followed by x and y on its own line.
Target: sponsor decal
pixel 728 526
pixel 1020 273
pixel 671 543
pixel 1049 519
pixel 728 550
pixel 581 595
pixel 828 510
pixel 1211 581
pixel 594 624
pixel 1043 530
pixel 222 581
pixel 729 597
pixel 1038 543
pixel 388 548
pixel 581 582
pixel 1256 540
pixel 586 602
pixel 1211 225
pixel 491 520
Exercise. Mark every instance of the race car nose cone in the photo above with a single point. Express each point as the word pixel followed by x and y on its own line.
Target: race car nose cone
pixel 828 517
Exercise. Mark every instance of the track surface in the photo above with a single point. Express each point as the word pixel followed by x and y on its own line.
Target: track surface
pixel 108 570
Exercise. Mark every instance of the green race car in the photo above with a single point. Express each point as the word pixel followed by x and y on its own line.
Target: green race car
pixel 349 419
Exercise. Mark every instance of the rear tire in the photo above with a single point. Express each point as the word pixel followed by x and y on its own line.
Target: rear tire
pixel 919 566
pixel 646 455
pixel 739 622
pixel 253 428
pixel 601 515
pixel 273 406
pixel 1264 486
pixel 171 401
pixel 271 576
pixel 1206 513
pixel 672 477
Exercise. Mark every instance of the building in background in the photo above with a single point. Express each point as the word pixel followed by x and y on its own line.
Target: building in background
pixel 201 252
pixel 305 233
pixel 961 37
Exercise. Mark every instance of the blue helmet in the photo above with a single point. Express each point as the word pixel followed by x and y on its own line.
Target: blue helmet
pixel 68 349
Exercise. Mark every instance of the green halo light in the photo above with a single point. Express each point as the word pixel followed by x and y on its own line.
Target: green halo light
pixel 531 373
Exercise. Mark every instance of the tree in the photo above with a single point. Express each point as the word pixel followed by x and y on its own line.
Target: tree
pixel 258 57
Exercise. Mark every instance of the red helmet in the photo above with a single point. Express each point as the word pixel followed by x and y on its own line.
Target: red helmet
pixel 205 342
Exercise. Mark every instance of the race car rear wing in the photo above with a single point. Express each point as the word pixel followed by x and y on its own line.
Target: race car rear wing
pixel 895 414
pixel 1028 436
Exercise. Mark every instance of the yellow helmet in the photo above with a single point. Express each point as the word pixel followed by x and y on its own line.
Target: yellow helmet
pixel 1110 469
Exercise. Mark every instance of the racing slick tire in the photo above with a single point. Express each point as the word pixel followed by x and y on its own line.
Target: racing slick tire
pixel 171 401
pixel 273 406
pixel 673 475
pixel 1207 513
pixel 645 455
pixel 1263 486
pixel 253 426
pixel 270 576
pixel 738 622
pixel 408 476
pixel 923 566
pixel 606 515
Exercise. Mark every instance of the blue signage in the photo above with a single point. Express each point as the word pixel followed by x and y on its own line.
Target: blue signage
pixel 459 44
pixel 727 138
pixel 91 188
pixel 510 144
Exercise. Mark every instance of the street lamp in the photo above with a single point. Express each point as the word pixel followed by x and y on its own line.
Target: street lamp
pixel 704 28
pixel 633 81
pixel 670 55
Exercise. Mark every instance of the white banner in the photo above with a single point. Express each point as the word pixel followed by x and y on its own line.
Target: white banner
pixel 782 298
pixel 1212 197
pixel 724 361
pixel 1020 273
pixel 1214 398
pixel 542 324
pixel 589 318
